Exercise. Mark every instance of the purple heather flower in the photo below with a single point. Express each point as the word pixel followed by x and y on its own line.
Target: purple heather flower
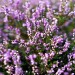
pixel 72 73
pixel 60 6
pixel 5 19
pixel 30 57
pixel 34 2
pixel 1 73
pixel 66 46
pixel 66 73
pixel 17 30
pixel 14 58
pixel 73 56
pixel 43 40
pixel 49 15
pixel 34 56
pixel 18 70
pixel 7 57
pixel 14 42
pixel 59 72
pixel 46 55
pixel 67 8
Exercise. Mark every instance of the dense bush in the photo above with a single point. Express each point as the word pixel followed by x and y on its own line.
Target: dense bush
pixel 37 40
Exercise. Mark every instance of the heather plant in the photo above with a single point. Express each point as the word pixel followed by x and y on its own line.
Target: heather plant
pixel 37 39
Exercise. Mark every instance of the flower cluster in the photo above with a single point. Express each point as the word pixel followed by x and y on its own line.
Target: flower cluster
pixel 37 39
